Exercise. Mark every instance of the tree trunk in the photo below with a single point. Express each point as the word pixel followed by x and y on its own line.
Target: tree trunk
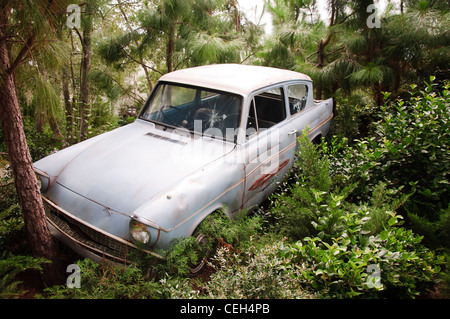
pixel 68 106
pixel 147 75
pixel 39 121
pixel 40 240
pixel 237 17
pixel 85 69
pixel 75 100
pixel 54 126
pixel 170 49
pixel 320 61
pixel 51 118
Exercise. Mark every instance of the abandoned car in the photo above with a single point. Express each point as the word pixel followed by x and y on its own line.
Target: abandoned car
pixel 209 138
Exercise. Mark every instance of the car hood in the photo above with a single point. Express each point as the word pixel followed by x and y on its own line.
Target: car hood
pixel 134 163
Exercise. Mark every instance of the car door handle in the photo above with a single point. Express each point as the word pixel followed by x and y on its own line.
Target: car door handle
pixel 292 132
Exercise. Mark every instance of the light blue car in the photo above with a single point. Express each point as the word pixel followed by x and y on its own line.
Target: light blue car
pixel 210 138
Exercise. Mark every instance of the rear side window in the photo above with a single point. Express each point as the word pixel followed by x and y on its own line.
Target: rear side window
pixel 297 95
pixel 266 109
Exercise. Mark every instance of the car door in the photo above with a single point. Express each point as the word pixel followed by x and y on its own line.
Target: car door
pixel 270 144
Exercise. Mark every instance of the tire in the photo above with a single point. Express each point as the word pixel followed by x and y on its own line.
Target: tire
pixel 202 240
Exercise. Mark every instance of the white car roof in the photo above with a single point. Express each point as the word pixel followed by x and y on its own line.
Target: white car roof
pixel 235 78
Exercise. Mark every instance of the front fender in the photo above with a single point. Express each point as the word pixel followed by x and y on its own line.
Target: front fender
pixel 176 212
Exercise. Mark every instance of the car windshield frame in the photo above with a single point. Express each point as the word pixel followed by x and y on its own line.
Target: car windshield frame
pixel 195 109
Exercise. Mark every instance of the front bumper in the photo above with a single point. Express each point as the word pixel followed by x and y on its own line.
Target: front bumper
pixel 86 240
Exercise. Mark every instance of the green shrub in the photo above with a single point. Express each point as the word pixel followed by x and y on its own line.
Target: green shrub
pixel 235 232
pixel 353 116
pixel 180 257
pixel 40 144
pixel 295 209
pixel 409 149
pixel 11 224
pixel 258 273
pixel 343 267
pixel 417 143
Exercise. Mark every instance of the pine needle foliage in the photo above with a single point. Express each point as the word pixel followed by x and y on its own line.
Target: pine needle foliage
pixel 46 101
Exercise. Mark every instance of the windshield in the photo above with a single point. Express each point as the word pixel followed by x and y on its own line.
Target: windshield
pixel 195 109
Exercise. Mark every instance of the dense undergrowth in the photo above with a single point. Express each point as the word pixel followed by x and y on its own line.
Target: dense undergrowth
pixel 358 218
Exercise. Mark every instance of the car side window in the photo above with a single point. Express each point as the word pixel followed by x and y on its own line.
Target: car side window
pixel 266 109
pixel 297 95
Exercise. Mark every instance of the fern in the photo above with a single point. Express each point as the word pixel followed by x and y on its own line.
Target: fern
pixel 10 267
pixel 9 223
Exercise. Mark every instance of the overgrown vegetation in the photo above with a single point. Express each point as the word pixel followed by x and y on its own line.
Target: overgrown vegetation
pixel 409 151
pixel 107 281
pixel 13 260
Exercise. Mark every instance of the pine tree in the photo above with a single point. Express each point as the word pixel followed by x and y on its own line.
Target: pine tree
pixel 32 22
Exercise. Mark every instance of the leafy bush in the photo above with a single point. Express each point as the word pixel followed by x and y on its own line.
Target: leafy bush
pixel 10 222
pixel 102 118
pixel 259 272
pixel 409 149
pixel 353 116
pixel 417 142
pixel 314 194
pixel 341 268
pixel 235 232
pixel 182 255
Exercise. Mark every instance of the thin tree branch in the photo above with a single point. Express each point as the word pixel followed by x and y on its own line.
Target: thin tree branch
pixel 141 63
pixel 134 96
pixel 25 49
pixel 334 51
pixel 7 184
pixel 306 59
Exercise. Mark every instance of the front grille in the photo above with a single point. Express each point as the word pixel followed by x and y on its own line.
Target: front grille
pixel 91 239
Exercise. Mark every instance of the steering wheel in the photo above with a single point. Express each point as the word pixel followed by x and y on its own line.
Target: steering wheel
pixel 167 107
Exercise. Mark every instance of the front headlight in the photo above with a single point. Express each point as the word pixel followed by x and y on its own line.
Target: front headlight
pixel 139 232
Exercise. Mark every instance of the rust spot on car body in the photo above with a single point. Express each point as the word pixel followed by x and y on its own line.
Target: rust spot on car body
pixel 266 177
